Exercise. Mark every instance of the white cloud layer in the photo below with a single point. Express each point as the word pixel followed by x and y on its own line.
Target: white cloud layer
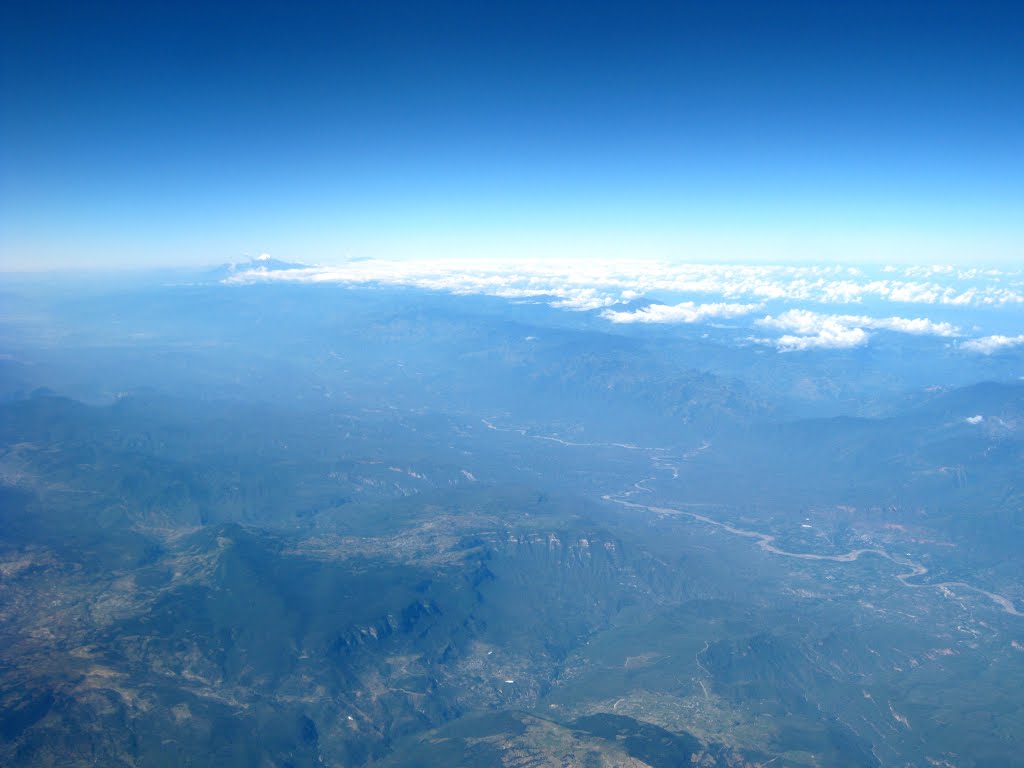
pixel 684 312
pixel 703 292
pixel 619 281
pixel 829 337
pixel 803 321
pixel 988 345
pixel 814 330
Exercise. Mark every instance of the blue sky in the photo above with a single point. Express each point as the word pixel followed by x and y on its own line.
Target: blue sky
pixel 144 134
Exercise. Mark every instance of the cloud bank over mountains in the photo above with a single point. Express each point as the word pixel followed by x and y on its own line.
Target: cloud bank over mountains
pixel 814 330
pixel 662 292
pixel 988 345
pixel 684 312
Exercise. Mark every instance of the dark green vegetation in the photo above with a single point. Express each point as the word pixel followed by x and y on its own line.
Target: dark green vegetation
pixel 300 527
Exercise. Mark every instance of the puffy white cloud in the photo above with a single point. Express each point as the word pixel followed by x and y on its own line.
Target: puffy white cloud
pixel 815 330
pixel 684 312
pixel 974 419
pixel 912 293
pixel 804 321
pixel 582 300
pixel 988 345
pixel 919 326
pixel 831 336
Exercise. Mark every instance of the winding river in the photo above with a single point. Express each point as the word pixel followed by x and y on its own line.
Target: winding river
pixel 764 540
pixel 767 542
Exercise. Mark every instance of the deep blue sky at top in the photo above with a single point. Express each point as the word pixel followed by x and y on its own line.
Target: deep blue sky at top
pixel 152 133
